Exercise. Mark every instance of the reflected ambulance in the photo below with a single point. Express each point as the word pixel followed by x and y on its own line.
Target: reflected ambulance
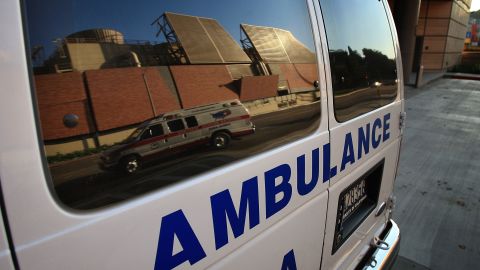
pixel 214 124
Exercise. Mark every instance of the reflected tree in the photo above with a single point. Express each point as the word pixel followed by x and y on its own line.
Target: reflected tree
pixel 351 70
pixel 379 68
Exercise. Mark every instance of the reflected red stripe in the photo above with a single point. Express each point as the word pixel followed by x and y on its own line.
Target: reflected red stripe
pixel 176 149
pixel 188 130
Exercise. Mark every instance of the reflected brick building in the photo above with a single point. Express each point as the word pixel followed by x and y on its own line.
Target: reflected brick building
pixel 113 84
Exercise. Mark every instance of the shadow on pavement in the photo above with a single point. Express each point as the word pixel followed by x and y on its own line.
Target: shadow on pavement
pixel 403 263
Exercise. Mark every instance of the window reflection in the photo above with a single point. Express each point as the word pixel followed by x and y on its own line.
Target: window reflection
pixel 363 64
pixel 202 88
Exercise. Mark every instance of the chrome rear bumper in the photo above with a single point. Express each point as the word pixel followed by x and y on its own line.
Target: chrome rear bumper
pixel 378 258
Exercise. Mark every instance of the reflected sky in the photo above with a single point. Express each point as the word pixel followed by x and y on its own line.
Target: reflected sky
pixel 356 24
pixel 52 19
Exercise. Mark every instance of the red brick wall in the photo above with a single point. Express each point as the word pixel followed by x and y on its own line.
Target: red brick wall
pixel 163 99
pixel 58 95
pixel 300 76
pixel 120 98
pixel 256 87
pixel 203 84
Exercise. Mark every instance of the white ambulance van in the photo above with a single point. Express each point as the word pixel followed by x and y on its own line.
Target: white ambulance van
pixel 214 124
pixel 311 188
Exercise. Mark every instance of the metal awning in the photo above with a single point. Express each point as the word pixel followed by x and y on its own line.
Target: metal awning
pixel 205 41
pixel 276 45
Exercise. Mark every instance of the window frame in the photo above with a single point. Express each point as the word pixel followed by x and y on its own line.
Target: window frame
pixel 330 73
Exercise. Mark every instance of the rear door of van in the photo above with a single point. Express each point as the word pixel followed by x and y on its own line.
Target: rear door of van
pixel 365 103
pixel 260 204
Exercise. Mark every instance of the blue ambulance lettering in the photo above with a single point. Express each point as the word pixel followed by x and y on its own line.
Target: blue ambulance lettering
pixel 279 192
pixel 363 140
pixel 176 225
pixel 348 152
pixel 223 208
pixel 386 127
pixel 327 171
pixel 303 187
pixel 366 137
pixel 289 261
pixel 284 188
pixel 376 138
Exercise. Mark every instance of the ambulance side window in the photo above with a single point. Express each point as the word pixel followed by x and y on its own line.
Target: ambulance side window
pixel 362 56
pixel 176 125
pixel 107 75
pixel 152 131
pixel 191 121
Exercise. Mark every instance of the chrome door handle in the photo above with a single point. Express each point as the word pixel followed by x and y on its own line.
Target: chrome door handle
pixel 381 208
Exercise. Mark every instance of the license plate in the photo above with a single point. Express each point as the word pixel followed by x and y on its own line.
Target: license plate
pixel 352 198
pixel 355 203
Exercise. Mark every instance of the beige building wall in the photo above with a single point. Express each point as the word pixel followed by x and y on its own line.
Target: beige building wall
pixel 443 24
pixel 86 56
pixel 85 144
pixel 115 137
pixel 69 147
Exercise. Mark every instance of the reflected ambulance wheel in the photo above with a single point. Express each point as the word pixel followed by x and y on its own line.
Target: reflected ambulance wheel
pixel 220 140
pixel 131 164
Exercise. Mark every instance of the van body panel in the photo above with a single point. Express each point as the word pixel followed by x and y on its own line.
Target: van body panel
pixel 133 224
pixel 388 117
pixel 301 232
pixel 360 240
pixel 6 261
pixel 49 235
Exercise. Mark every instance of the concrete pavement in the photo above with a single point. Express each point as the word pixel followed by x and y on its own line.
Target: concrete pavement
pixel 438 184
